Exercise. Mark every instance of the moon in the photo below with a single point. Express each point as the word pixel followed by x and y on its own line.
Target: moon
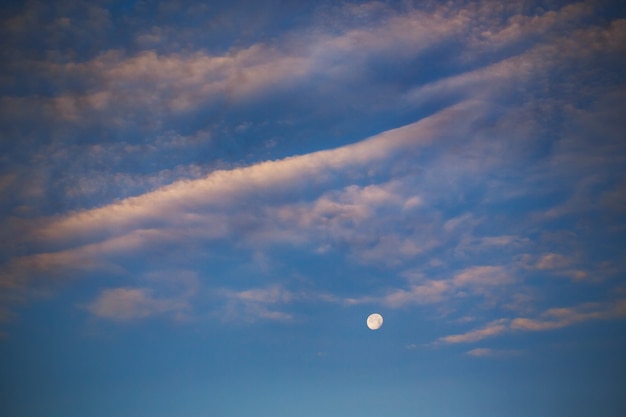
pixel 374 321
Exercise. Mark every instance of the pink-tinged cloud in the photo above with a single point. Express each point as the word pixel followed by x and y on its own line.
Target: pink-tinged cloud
pixel 271 295
pixel 179 82
pixel 487 275
pixel 426 293
pixel 530 66
pixel 556 318
pixel 122 304
pixel 531 324
pixel 179 202
pixel 553 261
pixel 492 329
pixel 491 353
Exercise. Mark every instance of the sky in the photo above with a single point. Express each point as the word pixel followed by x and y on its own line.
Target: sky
pixel 202 202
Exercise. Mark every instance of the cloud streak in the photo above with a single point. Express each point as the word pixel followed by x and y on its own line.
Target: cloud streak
pixel 221 188
pixel 554 318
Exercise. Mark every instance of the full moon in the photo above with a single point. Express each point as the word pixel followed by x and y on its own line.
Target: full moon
pixel 374 321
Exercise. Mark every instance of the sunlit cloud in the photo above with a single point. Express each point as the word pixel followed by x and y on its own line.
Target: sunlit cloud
pixel 494 328
pixel 553 318
pixel 221 188
pixel 556 318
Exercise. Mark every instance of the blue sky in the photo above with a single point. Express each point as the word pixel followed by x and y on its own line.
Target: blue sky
pixel 202 202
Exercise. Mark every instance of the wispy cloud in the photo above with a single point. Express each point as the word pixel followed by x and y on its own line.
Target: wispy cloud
pixel 184 81
pixel 492 353
pixel 553 318
pixel 221 188
pixel 493 328
pixel 427 293
pixel 482 276
pixel 258 304
pixel 188 212
pixel 492 155
pixel 166 293
pixel 123 304
pixel 556 318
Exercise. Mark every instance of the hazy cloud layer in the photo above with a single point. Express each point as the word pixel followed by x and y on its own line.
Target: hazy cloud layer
pixel 466 158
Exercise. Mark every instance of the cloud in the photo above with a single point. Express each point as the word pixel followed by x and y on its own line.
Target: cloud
pixel 487 352
pixel 552 261
pixel 490 282
pixel 427 293
pixel 557 264
pixel 471 246
pixel 213 208
pixel 515 27
pixel 119 82
pixel 481 276
pixel 448 196
pixel 124 304
pixel 353 217
pixel 551 319
pixel 270 303
pixel 222 188
pixel 493 328
pixel 270 295
pixel 26 272
pixel 257 304
pixel 556 318
pixel 531 68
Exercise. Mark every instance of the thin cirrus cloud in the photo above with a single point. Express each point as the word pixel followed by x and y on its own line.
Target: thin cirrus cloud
pixel 90 240
pixel 123 304
pixel 122 81
pixel 221 188
pixel 491 353
pixel 187 81
pixel 554 318
pixel 491 329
